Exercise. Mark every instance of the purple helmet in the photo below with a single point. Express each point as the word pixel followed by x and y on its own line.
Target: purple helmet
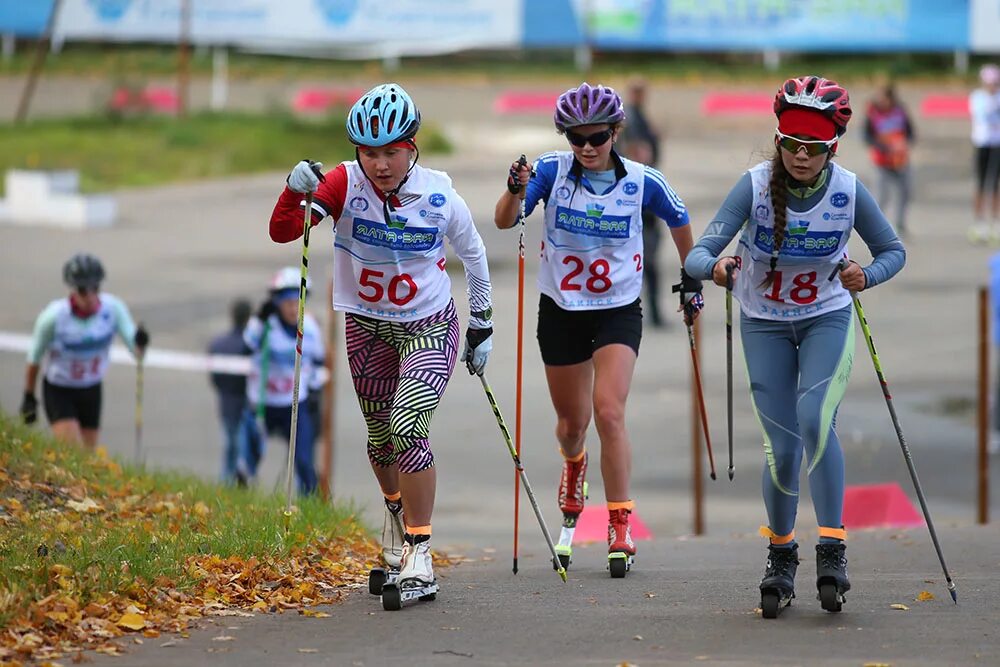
pixel 588 105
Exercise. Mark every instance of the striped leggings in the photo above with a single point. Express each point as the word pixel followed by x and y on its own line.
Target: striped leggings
pixel 400 371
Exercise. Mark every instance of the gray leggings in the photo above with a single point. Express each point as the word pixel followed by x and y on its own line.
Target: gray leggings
pixel 798 373
pixel 897 180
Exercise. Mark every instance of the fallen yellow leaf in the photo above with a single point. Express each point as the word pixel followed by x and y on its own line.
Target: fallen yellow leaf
pixel 924 596
pixel 308 650
pixel 877 664
pixel 131 622
pixel 87 505
pixel 900 607
pixel 315 614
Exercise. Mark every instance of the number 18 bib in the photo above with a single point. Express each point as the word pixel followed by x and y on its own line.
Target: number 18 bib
pixel 815 241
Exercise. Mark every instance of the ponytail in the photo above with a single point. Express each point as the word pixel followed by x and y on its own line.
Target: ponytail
pixel 778 188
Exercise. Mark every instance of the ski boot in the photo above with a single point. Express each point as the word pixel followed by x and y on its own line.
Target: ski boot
pixel 777 588
pixel 416 578
pixel 831 575
pixel 572 494
pixel 392 548
pixel 621 548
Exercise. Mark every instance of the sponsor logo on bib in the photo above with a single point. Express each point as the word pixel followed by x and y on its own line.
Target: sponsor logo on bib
pixel 630 188
pixel 562 192
pixel 593 222
pixel 359 204
pixel 437 200
pixel 761 213
pixel 840 199
pixel 404 237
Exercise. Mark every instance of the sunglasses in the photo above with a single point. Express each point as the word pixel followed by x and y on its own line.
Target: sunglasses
pixel 596 139
pixel 813 147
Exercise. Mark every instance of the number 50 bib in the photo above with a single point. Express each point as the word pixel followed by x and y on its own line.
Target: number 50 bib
pixel 815 241
pixel 592 250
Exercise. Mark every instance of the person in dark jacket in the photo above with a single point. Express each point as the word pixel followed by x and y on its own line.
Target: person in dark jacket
pixel 231 388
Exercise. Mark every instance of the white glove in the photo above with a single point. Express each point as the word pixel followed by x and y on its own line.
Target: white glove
pixel 305 176
pixel 476 350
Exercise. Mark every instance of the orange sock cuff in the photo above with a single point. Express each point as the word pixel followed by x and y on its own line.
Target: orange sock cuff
pixel 836 533
pixel 574 459
pixel 419 530
pixel 774 537
pixel 392 497
pixel 621 505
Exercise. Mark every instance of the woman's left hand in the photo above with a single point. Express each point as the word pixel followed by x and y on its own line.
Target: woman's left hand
pixel 852 277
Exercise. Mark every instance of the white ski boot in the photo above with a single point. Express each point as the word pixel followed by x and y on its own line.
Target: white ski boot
pixel 392 548
pixel 416 578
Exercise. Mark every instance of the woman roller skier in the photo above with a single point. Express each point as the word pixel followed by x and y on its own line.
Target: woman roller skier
pixel 796 212
pixel 589 312
pixel 75 334
pixel 391 219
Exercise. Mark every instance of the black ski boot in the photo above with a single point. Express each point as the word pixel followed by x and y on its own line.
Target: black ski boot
pixel 831 575
pixel 777 588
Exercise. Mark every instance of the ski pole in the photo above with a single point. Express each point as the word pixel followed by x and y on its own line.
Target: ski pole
pixel 899 430
pixel 306 226
pixel 523 161
pixel 729 364
pixel 522 476
pixel 139 454
pixel 701 399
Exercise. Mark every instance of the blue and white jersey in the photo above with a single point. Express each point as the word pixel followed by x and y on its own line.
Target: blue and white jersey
pixel 78 347
pixel 279 348
pixel 815 242
pixel 592 254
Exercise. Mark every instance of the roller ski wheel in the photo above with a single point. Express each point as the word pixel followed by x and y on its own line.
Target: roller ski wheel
pixel 394 595
pixel 619 563
pixel 831 576
pixel 777 588
pixel 379 577
pixel 565 557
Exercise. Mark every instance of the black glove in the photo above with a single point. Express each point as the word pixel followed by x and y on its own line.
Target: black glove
pixel 514 178
pixel 141 337
pixel 690 296
pixel 29 408
pixel 266 310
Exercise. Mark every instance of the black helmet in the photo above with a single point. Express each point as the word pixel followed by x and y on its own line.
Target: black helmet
pixel 83 270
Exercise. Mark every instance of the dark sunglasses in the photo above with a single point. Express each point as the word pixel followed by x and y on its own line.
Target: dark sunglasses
pixel 595 140
pixel 813 147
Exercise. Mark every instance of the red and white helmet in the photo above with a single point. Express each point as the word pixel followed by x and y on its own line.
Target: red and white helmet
pixel 814 92
pixel 289 277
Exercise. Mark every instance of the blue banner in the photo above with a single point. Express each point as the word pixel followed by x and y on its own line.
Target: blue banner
pixel 26 18
pixel 752 25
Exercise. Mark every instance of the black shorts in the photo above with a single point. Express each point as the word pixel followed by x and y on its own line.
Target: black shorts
pixel 80 403
pixel 987 168
pixel 568 337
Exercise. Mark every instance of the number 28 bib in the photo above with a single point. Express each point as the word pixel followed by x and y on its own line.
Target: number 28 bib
pixel 592 250
pixel 815 241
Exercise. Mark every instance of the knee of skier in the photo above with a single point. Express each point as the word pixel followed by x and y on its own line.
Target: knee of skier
pixel 786 468
pixel 382 454
pixel 412 454
pixel 570 432
pixel 609 415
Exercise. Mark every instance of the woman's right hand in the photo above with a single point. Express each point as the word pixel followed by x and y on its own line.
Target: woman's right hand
pixel 720 270
pixel 518 177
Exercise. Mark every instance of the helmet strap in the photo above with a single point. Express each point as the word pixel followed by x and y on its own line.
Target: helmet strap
pixel 387 207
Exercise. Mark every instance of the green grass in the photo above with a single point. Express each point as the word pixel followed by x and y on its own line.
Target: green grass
pixel 122 62
pixel 149 150
pixel 148 527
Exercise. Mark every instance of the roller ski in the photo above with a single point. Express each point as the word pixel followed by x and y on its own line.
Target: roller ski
pixel 416 579
pixel 831 576
pixel 777 588
pixel 572 495
pixel 621 548
pixel 392 548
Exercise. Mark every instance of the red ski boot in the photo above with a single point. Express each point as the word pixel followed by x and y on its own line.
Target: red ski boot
pixel 621 548
pixel 572 494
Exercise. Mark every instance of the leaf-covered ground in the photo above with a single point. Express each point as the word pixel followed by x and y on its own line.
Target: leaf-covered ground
pixel 94 555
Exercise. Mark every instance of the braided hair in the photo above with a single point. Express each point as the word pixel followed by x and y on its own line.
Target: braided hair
pixel 778 187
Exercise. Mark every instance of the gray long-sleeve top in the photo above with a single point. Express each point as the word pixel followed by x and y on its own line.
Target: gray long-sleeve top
pixel 888 252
